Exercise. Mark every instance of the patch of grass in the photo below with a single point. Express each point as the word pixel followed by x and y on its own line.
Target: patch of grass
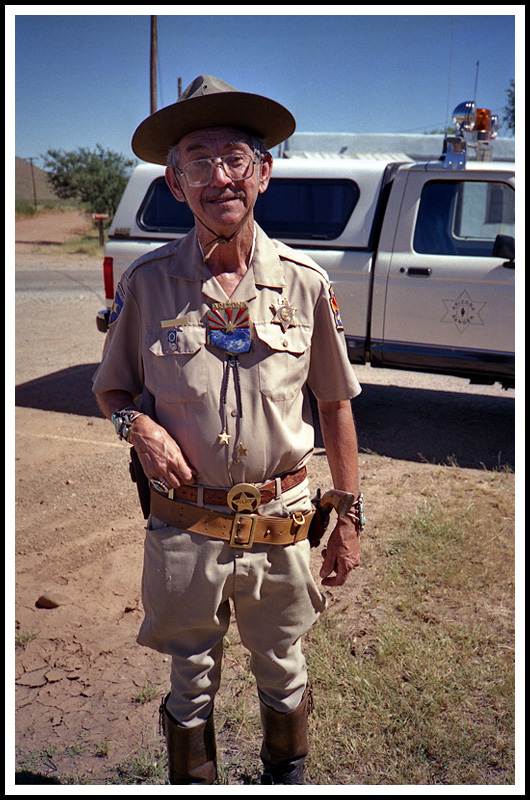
pixel 141 767
pixel 23 638
pixel 38 762
pixel 25 208
pixel 102 749
pixel 147 693
pixel 87 244
pixel 428 696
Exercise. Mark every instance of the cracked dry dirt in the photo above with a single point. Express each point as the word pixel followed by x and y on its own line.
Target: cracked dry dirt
pixel 86 695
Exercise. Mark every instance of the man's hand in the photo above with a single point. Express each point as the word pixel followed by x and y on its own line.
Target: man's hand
pixel 342 553
pixel 159 454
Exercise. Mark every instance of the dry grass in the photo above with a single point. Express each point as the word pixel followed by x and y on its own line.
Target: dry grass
pixel 420 689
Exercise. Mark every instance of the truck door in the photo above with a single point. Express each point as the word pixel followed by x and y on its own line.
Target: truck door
pixel 449 303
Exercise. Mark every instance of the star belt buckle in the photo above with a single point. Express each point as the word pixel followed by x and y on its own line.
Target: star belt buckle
pixel 243 499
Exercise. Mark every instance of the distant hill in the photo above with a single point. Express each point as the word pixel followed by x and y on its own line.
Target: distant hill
pixel 23 182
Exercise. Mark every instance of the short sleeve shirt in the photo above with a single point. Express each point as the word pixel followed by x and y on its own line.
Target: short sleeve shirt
pixel 243 418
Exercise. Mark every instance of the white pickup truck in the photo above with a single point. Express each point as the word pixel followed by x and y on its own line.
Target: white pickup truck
pixel 421 255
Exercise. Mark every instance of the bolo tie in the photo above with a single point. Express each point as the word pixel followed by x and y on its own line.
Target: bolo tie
pixel 229 331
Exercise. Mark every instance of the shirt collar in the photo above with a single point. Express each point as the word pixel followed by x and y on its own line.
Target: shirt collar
pixel 266 268
pixel 267 265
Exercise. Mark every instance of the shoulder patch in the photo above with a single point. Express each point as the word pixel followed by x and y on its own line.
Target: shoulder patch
pixel 335 309
pixel 117 305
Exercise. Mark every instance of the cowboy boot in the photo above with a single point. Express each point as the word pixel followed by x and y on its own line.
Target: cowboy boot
pixel 191 752
pixel 285 744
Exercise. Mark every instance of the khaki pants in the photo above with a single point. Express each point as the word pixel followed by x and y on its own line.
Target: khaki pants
pixel 188 583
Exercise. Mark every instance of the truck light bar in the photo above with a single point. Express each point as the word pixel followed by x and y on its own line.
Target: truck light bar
pixel 476 128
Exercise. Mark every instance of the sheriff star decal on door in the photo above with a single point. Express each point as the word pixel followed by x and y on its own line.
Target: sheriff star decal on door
pixel 463 311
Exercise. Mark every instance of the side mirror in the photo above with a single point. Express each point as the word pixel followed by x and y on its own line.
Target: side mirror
pixel 504 247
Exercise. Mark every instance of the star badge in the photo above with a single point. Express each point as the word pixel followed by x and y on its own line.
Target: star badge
pixel 463 311
pixel 244 497
pixel 224 437
pixel 284 314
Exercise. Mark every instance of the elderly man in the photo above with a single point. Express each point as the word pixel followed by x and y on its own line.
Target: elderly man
pixel 213 342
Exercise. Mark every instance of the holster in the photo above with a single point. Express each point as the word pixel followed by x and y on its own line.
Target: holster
pixel 139 477
pixel 319 523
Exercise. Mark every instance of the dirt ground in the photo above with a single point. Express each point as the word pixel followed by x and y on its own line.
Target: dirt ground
pixel 86 695
pixel 49 228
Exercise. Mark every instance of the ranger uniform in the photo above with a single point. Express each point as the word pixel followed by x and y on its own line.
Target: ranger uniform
pixel 228 379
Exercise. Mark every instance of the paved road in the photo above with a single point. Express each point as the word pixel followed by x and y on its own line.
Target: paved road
pixel 402 415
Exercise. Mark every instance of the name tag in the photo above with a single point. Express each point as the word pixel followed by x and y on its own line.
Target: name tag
pixel 173 323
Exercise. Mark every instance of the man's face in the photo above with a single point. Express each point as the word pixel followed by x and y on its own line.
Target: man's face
pixel 223 202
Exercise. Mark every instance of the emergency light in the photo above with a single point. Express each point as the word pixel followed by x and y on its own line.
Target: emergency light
pixel 486 124
pixel 476 128
pixel 464 116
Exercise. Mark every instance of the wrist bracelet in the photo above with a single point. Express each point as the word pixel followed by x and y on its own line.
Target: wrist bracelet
pixel 123 419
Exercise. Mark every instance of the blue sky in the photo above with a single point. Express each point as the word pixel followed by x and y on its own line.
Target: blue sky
pixel 83 79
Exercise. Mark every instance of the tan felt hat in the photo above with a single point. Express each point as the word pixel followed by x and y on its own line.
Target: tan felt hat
pixel 209 102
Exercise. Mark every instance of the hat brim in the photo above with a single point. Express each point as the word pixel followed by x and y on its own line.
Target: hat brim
pixel 259 115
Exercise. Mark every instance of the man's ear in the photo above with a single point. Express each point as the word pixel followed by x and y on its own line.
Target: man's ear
pixel 174 185
pixel 265 172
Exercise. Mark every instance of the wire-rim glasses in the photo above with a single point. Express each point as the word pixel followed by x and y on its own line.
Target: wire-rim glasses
pixel 236 166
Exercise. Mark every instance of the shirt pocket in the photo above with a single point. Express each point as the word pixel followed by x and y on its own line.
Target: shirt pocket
pixel 283 360
pixel 177 362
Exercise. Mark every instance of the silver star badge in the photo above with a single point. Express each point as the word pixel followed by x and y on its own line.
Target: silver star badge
pixel 284 314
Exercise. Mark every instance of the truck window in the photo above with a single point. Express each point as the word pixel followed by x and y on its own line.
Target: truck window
pixel 290 208
pixel 161 212
pixel 463 218
pixel 306 208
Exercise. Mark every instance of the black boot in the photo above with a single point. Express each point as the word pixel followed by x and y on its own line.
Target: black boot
pixel 191 752
pixel 285 744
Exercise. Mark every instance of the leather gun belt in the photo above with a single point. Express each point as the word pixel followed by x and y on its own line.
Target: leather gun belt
pixel 240 529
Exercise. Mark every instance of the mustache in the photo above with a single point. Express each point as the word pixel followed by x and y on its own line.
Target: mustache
pixel 223 196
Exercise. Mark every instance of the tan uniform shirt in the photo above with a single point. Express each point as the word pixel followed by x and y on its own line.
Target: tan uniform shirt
pixel 158 346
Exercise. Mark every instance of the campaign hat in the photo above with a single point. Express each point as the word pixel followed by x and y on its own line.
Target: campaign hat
pixel 209 102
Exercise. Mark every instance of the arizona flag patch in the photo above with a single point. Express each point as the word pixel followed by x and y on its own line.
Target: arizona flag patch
pixel 117 304
pixel 229 327
pixel 335 309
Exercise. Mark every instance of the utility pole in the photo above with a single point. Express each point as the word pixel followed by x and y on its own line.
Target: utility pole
pixel 30 159
pixel 154 42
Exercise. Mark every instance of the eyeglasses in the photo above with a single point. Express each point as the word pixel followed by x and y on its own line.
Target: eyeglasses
pixel 237 167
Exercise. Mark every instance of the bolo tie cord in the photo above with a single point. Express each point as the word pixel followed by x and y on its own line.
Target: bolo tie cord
pixel 214 243
pixel 232 363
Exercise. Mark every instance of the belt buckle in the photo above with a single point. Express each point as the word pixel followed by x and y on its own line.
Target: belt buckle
pixel 235 533
pixel 243 498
